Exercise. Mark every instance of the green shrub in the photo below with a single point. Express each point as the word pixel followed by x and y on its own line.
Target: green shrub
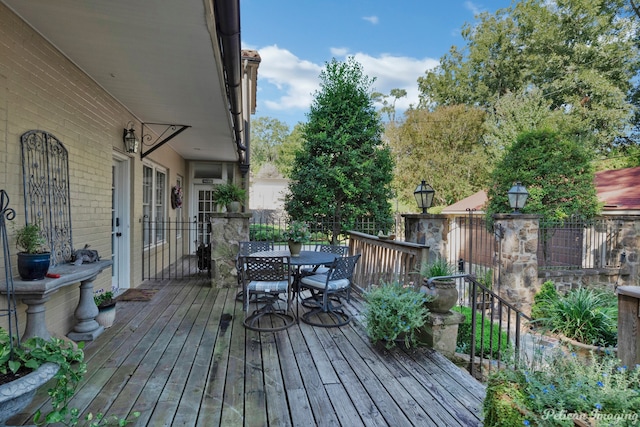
pixel 586 316
pixel 264 233
pixel 394 312
pixel 564 388
pixel 488 335
pixel 437 268
pixel 543 300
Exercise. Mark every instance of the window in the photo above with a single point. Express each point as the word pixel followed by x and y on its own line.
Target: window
pixel 154 184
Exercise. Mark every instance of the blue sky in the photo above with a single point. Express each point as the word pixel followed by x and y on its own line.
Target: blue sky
pixel 396 41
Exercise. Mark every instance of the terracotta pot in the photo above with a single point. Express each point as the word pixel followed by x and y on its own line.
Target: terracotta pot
pixel 445 295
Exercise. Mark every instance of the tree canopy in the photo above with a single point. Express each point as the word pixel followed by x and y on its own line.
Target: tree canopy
pixel 581 54
pixel 556 171
pixel 343 171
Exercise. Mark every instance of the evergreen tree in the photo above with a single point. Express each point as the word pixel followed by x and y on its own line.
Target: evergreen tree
pixel 343 172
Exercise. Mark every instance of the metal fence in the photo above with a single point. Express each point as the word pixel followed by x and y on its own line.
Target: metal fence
pixel 576 244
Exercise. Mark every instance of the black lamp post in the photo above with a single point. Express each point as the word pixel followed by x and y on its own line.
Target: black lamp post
pixel 129 138
pixel 517 196
pixel 424 196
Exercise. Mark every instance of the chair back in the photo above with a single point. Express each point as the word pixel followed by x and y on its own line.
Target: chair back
pixel 266 269
pixel 332 249
pixel 342 268
pixel 248 248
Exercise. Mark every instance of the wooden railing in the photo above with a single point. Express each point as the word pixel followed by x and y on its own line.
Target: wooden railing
pixel 385 261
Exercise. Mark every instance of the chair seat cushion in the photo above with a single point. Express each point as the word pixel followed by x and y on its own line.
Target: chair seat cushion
pixel 268 286
pixel 319 281
pixel 319 270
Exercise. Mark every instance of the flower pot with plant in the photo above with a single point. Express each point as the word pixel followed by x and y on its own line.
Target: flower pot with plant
pixel 106 308
pixel 395 314
pixel 296 234
pixel 229 195
pixel 34 255
pixel 443 291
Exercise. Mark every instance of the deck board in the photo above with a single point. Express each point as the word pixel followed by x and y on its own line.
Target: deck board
pixel 185 359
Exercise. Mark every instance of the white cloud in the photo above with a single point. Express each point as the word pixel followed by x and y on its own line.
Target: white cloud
pixel 296 79
pixel 475 9
pixel 372 19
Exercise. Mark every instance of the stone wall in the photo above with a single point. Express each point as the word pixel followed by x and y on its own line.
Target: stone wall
pixel 227 230
pixel 429 230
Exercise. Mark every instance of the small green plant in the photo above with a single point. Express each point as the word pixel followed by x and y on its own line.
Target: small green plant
pixel 227 193
pixel 29 239
pixel 491 342
pixel 103 298
pixel 563 389
pixel 297 231
pixel 437 268
pixel 395 312
pixel 543 300
pixel 585 315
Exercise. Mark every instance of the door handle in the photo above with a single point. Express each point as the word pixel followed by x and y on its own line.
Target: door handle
pixel 118 234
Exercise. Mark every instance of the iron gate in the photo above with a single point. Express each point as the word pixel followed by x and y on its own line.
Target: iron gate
pixel 473 247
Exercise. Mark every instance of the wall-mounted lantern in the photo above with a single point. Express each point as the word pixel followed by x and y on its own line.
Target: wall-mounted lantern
pixel 131 143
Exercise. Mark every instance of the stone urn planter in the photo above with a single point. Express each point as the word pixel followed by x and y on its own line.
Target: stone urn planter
pixel 16 395
pixel 106 314
pixel 444 293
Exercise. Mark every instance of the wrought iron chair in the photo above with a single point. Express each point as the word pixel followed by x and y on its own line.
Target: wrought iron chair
pixel 320 269
pixel 330 287
pixel 269 278
pixel 246 249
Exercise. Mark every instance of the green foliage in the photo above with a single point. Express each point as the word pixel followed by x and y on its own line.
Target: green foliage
pixel 29 239
pixel 565 387
pixel 585 315
pixel 392 312
pixel 556 172
pixel 288 149
pixel 543 301
pixel 227 193
pixel 437 268
pixel 103 298
pixel 343 171
pixel 429 143
pixel 265 233
pixel 267 136
pixel 572 51
pixel 297 231
pixel 488 336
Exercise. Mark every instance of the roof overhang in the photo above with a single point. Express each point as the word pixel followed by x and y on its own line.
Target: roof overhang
pixel 163 61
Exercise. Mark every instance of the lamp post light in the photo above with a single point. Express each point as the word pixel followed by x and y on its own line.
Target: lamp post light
pixel 131 143
pixel 517 196
pixel 424 196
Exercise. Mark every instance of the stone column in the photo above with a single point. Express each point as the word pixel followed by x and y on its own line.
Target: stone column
pixel 518 260
pixel 227 229
pixel 429 230
pixel 628 251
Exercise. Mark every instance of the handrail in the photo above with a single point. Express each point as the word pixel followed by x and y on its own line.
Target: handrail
pixel 385 260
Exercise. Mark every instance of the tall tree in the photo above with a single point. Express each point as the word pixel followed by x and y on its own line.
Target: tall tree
pixel 443 147
pixel 556 171
pixel 288 149
pixel 344 171
pixel 267 134
pixel 582 55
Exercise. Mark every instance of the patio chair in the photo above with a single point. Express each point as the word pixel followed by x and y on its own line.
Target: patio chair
pixel 246 249
pixel 268 278
pixel 330 287
pixel 331 249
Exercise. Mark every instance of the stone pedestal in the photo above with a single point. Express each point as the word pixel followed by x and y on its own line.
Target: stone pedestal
pixel 441 332
pixel 429 230
pixel 227 229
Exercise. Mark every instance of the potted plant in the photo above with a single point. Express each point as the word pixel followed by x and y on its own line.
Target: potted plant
pixel 444 292
pixel 229 195
pixel 296 234
pixel 394 313
pixel 33 255
pixel 106 308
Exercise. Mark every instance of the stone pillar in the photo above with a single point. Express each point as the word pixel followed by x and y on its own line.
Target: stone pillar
pixel 518 260
pixel 629 245
pixel 429 230
pixel 440 332
pixel 227 229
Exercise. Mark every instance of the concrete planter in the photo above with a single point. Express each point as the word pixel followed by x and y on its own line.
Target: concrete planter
pixel 16 395
pixel 106 315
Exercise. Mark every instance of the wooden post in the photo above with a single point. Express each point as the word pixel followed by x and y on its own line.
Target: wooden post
pixel 628 312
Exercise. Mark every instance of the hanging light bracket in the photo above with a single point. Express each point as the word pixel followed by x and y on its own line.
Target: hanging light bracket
pixel 170 131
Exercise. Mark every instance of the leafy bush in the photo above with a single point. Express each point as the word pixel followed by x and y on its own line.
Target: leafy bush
pixel 393 312
pixel 584 315
pixel 437 268
pixel 264 233
pixel 488 335
pixel 543 299
pixel 565 388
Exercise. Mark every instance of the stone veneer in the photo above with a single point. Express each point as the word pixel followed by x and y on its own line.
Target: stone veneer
pixel 227 230
pixel 429 230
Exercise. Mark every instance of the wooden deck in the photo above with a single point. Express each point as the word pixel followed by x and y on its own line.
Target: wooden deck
pixel 185 359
